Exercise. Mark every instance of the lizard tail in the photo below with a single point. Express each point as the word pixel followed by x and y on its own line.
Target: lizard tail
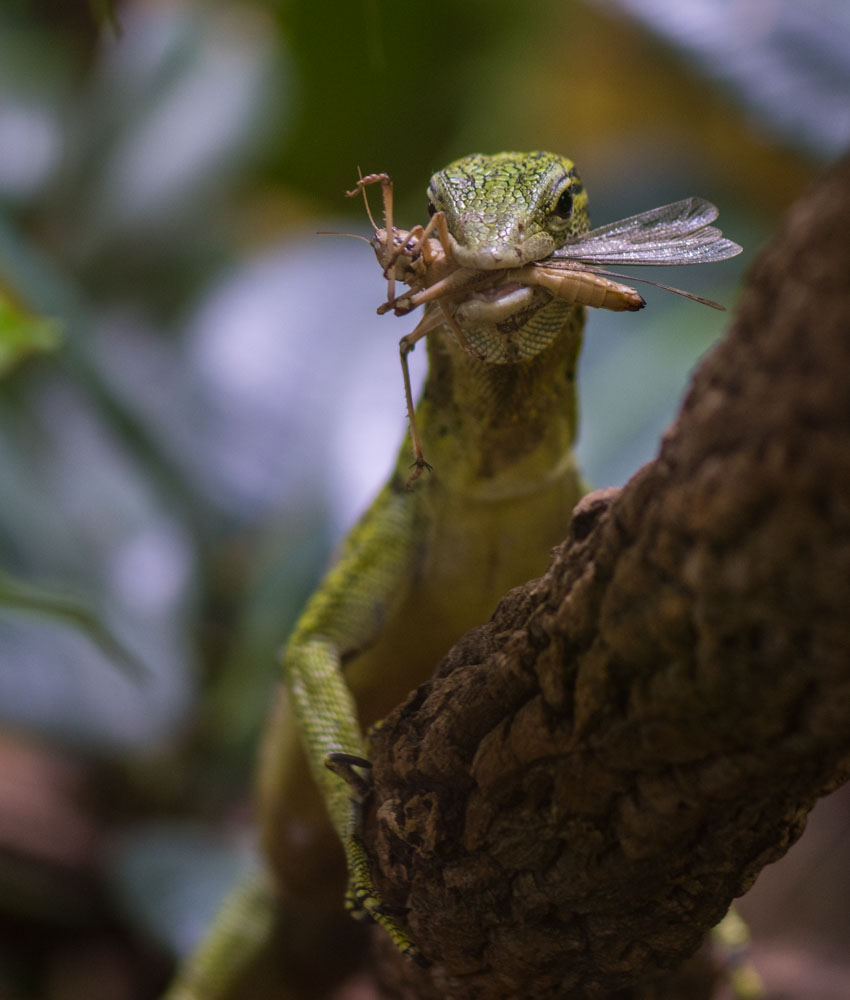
pixel 240 932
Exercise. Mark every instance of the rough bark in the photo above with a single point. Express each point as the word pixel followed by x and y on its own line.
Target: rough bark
pixel 591 778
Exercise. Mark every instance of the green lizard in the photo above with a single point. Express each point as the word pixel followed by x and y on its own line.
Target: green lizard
pixel 424 565
pixel 497 422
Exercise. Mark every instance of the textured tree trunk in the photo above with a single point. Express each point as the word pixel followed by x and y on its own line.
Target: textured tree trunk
pixel 592 777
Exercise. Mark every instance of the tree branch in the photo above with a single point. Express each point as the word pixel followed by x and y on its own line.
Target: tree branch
pixel 592 777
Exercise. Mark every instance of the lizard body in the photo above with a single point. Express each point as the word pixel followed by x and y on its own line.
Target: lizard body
pixel 424 565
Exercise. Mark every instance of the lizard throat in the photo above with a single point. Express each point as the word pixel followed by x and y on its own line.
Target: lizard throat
pixel 512 326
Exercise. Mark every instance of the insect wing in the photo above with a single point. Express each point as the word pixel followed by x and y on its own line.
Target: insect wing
pixel 665 222
pixel 683 251
pixel 679 233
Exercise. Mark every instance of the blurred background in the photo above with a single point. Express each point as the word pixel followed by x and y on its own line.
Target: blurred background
pixel 197 398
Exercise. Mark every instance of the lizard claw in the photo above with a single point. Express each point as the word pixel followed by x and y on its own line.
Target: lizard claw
pixel 419 466
pixel 364 903
pixel 343 766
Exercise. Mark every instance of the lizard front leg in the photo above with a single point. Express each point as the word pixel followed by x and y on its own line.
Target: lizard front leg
pixel 357 600
pixel 348 612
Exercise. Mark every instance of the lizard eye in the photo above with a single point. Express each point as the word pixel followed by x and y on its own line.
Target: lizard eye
pixel 564 206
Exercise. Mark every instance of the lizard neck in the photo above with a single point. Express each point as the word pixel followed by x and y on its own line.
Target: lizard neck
pixel 501 431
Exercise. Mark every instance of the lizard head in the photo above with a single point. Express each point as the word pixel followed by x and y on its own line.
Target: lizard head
pixel 509 209
pixel 502 212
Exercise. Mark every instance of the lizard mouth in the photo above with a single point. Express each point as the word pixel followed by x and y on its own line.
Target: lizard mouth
pixel 502 254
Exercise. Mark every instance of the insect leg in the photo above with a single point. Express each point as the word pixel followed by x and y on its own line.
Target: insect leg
pixel 387 196
pixel 419 238
pixel 453 283
pixel 430 321
pixel 457 330
pixel 438 222
pixel 408 244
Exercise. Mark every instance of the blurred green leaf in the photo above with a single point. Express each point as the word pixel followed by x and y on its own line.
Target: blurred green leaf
pixel 71 611
pixel 370 92
pixel 22 334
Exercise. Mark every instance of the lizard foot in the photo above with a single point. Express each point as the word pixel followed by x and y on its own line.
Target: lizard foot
pixel 364 902
pixel 362 899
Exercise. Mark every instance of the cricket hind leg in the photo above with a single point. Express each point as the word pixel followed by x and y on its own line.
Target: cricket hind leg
pixel 405 346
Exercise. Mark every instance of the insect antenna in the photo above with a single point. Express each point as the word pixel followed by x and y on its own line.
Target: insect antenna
pixel 331 232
